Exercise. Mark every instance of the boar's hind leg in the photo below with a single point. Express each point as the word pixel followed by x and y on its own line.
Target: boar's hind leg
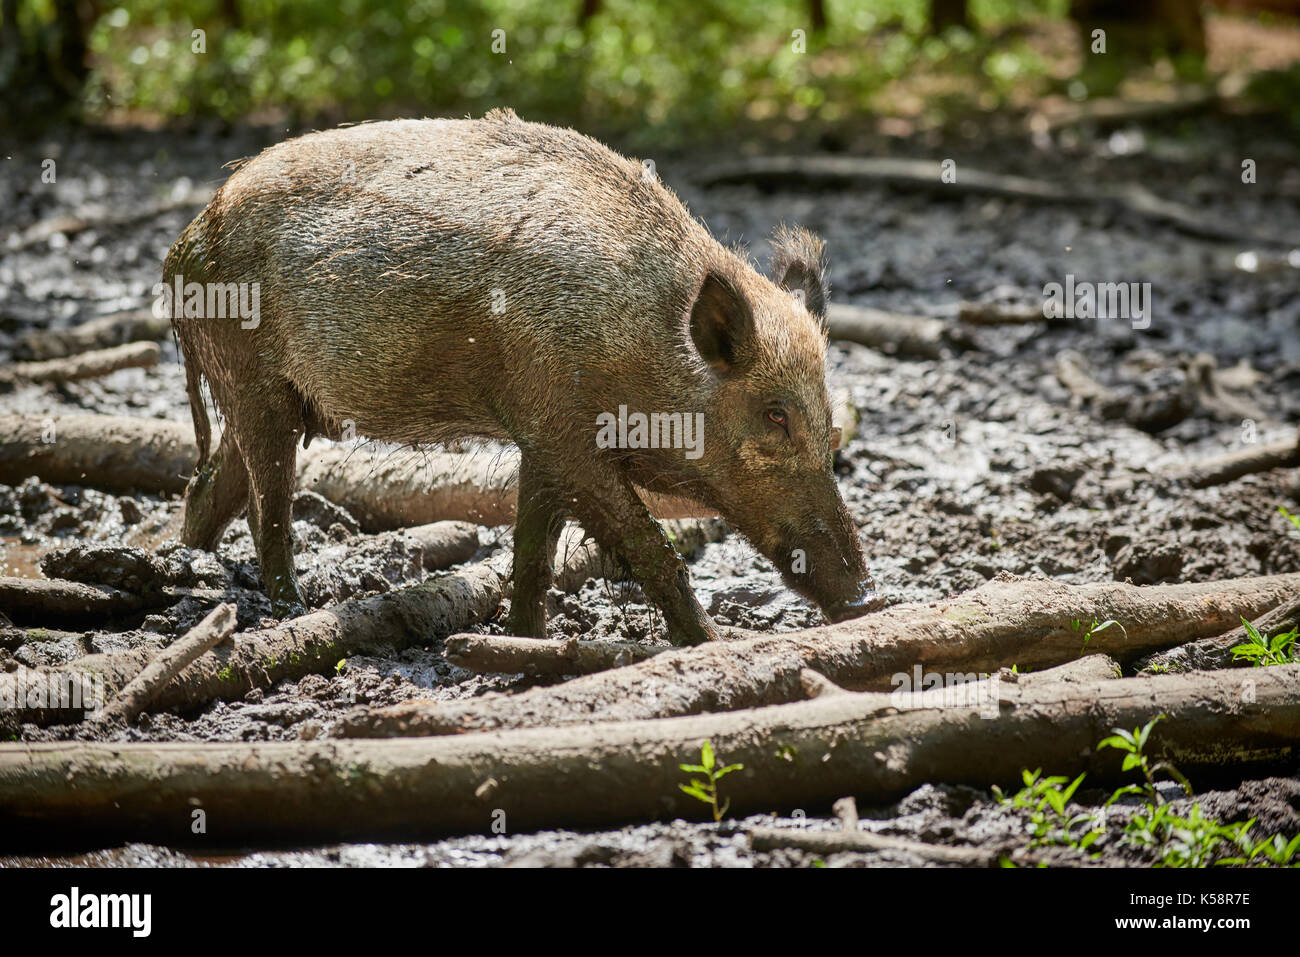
pixel 269 423
pixel 608 507
pixel 216 494
pixel 538 521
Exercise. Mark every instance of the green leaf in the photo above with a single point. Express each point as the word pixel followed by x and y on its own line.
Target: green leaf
pixel 1116 741
pixel 706 756
pixel 1131 761
pixel 1074 786
pixel 694 768
pixel 1252 633
pixel 694 790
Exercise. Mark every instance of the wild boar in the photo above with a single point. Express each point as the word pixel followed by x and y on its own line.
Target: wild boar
pixel 434 280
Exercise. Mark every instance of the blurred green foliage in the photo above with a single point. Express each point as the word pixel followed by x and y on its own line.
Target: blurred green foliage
pixel 650 71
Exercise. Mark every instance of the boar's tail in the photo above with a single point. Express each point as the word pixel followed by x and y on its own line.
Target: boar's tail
pixel 199 411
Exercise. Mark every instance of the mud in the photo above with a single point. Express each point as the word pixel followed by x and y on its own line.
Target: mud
pixel 963 467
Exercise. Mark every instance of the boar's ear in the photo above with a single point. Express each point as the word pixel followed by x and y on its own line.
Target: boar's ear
pixel 721 322
pixel 797 265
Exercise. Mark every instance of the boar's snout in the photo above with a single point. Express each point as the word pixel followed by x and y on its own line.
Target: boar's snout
pixel 820 556
pixel 866 600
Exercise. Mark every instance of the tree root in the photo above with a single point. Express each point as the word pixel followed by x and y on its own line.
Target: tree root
pixel 115 329
pixel 796 755
pixel 312 644
pixel 84 365
pixel 1031 623
pixel 896 334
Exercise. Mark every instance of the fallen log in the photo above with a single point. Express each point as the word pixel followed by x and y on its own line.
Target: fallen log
pixel 84 365
pixel 1221 469
pixel 311 644
pixel 894 333
pixel 40 601
pixel 578 558
pixel 393 489
pixel 852 839
pixel 997 314
pixel 504 654
pixel 798 755
pixel 144 687
pixel 443 544
pixel 115 329
pixel 42 231
pixel 109 452
pixel 841 171
pixel 383 492
pixel 1030 623
pixel 1216 652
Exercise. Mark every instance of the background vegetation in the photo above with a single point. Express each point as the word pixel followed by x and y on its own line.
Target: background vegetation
pixel 659 71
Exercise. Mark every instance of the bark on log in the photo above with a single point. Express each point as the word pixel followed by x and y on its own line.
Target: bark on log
pixel 894 333
pixel 850 837
pixel 1006 621
pixel 104 451
pixel 115 329
pixel 84 365
pixel 145 686
pixel 1222 469
pixel 42 231
pixel 1211 653
pixel 312 644
pixel 799 755
pixel 392 491
pixel 443 544
pixel 578 558
pixel 859 841
pixel 505 654
pixel 389 490
pixel 996 314
pixel 40 601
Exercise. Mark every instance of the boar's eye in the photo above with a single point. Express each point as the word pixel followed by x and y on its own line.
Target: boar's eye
pixel 779 417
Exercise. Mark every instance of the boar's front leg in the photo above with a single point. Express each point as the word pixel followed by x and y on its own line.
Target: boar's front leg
pixel 608 507
pixel 538 520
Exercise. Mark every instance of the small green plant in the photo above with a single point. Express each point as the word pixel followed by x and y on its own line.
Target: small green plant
pixel 1293 519
pixel 707 790
pixel 1076 624
pixel 1191 841
pixel 1276 851
pixel 1279 650
pixel 1046 800
pixel 1134 743
pixel 341 666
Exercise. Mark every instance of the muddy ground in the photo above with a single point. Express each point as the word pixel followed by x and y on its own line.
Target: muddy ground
pixel 963 467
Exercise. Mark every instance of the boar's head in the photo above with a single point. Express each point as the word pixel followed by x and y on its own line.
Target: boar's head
pixel 766 463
